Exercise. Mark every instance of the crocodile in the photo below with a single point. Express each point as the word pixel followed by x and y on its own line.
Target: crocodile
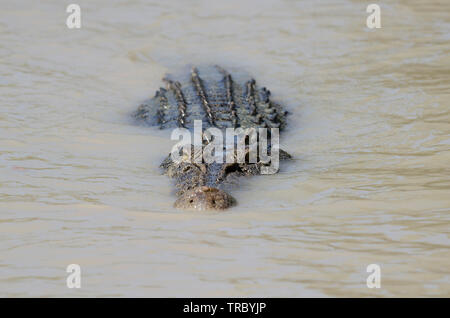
pixel 220 100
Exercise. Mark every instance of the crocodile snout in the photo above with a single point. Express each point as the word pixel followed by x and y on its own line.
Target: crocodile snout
pixel 205 198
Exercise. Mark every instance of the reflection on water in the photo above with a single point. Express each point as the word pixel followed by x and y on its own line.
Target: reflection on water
pixel 369 131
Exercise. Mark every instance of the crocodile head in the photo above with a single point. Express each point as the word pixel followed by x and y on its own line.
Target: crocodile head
pixel 205 198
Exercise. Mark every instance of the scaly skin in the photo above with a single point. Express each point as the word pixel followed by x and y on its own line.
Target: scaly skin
pixel 220 102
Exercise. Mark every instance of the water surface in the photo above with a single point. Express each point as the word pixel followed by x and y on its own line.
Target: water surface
pixel 369 131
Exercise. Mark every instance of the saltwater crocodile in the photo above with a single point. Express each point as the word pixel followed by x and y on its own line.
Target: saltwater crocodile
pixel 221 101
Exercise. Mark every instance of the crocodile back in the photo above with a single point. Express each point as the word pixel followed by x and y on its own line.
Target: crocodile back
pixel 215 97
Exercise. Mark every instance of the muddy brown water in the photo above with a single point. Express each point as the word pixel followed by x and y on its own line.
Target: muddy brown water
pixel 369 131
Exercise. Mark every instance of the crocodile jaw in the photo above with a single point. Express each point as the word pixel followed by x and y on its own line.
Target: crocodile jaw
pixel 205 198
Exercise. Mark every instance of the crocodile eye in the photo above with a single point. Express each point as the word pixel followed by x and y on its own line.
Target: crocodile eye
pixel 190 201
pixel 232 168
